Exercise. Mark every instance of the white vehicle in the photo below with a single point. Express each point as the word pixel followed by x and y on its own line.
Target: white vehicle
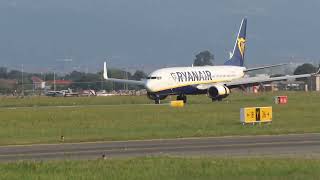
pixel 215 81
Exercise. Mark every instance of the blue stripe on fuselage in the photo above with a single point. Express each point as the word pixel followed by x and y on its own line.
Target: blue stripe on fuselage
pixel 187 90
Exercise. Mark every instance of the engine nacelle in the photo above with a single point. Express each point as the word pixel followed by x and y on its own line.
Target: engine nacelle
pixel 153 96
pixel 217 92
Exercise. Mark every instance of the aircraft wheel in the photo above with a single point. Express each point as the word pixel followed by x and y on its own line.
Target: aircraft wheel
pixel 157 101
pixel 184 98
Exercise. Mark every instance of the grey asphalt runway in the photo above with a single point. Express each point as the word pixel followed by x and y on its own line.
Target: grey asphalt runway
pixel 300 144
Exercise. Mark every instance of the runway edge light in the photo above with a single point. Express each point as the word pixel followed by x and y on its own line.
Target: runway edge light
pixel 255 115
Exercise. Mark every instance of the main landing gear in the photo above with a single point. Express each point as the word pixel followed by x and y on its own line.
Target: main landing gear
pixel 216 99
pixel 182 97
pixel 157 101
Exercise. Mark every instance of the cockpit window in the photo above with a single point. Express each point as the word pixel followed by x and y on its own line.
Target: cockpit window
pixel 153 77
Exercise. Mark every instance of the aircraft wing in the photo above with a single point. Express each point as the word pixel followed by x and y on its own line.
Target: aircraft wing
pixel 126 81
pixel 264 67
pixel 257 80
pixel 250 81
pixel 105 76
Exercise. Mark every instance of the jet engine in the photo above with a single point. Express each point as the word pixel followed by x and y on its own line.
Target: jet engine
pixel 154 96
pixel 218 92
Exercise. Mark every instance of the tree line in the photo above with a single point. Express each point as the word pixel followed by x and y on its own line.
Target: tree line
pixel 13 79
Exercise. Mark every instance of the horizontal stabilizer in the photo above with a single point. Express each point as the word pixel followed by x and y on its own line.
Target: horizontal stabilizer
pixel 264 67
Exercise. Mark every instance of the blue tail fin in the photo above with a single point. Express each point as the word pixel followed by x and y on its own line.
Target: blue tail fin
pixel 237 58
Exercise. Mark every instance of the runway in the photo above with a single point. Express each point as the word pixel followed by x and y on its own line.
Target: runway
pixel 300 144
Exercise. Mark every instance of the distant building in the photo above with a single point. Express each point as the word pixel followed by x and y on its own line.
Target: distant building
pixel 38 83
pixel 8 86
pixel 302 84
pixel 60 82
pixel 291 86
pixel 314 83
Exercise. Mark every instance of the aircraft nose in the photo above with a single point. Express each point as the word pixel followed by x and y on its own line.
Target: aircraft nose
pixel 149 86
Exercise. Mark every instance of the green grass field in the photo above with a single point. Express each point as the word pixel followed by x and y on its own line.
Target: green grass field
pixel 34 101
pixel 40 120
pixel 166 168
pixel 122 118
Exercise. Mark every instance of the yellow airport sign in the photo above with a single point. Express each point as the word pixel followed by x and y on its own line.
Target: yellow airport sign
pixel 250 114
pixel 265 114
pixel 176 103
pixel 255 114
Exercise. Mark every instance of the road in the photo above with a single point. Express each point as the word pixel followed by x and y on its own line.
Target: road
pixel 300 144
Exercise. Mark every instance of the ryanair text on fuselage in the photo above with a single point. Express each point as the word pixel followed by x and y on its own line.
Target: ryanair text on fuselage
pixel 188 76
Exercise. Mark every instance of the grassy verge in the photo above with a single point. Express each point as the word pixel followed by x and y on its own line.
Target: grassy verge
pixel 70 101
pixel 37 101
pixel 166 168
pixel 123 122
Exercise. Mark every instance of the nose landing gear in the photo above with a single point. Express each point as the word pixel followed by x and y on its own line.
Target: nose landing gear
pixel 182 97
pixel 156 97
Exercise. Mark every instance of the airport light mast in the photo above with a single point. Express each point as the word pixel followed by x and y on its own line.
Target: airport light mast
pixel 22 85
pixel 54 81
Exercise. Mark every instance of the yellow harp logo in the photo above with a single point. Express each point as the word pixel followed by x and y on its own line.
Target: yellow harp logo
pixel 241 46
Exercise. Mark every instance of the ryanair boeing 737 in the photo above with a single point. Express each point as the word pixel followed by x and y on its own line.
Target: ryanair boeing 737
pixel 215 81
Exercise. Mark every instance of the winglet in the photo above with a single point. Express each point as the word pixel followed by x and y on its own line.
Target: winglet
pixel 317 72
pixel 105 72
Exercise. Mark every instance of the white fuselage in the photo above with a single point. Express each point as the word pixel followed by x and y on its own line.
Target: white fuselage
pixel 176 77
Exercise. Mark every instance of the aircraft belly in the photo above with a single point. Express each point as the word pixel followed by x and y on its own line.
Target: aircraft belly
pixel 187 90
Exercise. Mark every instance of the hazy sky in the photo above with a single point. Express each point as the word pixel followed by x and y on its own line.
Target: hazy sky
pixel 153 33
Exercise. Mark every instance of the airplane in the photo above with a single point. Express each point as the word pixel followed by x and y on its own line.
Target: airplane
pixel 215 81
